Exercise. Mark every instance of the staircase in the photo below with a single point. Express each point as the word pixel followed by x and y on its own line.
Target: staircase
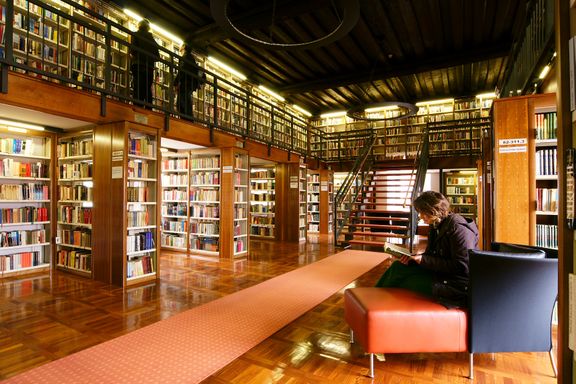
pixel 382 210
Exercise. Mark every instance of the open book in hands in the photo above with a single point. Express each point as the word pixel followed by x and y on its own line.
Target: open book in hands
pixel 396 250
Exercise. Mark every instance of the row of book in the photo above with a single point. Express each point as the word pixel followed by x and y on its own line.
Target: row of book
pixel 23 215
pixel 73 214
pixel 75 170
pixel 140 242
pixel 210 244
pixel 175 226
pixel 174 179
pixel 174 164
pixel 547 199
pixel 204 195
pixel 18 238
pixel 209 211
pixel 75 148
pixel 138 218
pixel 142 146
pixel 546 125
pixel 546 162
pixel 174 209
pixel 75 192
pixel 28 147
pixel 174 195
pixel 20 260
pixel 80 237
pixel 140 267
pixel 13 168
pixel 79 260
pixel 137 194
pixel 547 236
pixel 26 191
pixel 205 162
pixel 204 228
pixel 139 169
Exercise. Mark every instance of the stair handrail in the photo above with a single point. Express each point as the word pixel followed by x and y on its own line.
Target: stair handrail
pixel 420 169
pixel 363 162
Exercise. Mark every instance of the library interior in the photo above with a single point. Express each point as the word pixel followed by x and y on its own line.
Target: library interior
pixel 163 162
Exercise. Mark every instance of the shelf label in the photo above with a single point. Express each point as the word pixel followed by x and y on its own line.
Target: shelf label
pixel 514 149
pixel 117 155
pixel 116 172
pixel 294 182
pixel 227 169
pixel 520 140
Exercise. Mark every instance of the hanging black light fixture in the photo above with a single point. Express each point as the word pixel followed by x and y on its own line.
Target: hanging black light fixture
pixel 350 13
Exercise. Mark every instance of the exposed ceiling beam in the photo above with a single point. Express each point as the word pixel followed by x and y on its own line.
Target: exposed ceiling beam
pixel 412 66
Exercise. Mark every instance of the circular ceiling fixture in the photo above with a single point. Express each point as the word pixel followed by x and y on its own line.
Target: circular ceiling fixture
pixel 373 111
pixel 347 21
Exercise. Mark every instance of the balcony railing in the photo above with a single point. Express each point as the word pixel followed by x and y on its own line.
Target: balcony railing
pixel 66 42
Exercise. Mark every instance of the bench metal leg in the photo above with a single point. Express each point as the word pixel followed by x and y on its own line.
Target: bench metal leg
pixel 471 366
pixel 372 365
pixel 553 361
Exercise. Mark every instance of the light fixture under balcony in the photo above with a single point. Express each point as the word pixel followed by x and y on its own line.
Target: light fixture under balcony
pixel 19 126
pixel 386 110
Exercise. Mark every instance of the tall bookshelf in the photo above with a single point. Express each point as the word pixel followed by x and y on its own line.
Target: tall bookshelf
pixel 25 195
pixel 241 192
pixel 263 201
pixel 204 195
pixel 461 190
pixel 75 203
pixel 517 188
pixel 545 121
pixel 174 208
pixel 142 207
pixel 302 202
pixel 313 201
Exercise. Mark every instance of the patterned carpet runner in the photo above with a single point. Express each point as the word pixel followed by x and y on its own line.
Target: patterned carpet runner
pixel 192 345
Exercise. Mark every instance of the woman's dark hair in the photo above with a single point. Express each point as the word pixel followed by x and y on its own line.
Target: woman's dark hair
pixel 433 204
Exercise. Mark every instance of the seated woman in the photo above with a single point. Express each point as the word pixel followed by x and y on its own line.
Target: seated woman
pixel 441 271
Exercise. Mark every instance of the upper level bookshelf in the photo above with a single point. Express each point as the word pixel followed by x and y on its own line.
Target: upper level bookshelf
pixel 25 196
pixel 454 126
pixel 75 203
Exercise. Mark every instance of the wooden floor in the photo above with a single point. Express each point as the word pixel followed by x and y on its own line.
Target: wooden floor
pixel 46 317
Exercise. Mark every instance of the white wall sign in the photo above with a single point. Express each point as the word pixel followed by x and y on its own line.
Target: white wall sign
pixel 515 141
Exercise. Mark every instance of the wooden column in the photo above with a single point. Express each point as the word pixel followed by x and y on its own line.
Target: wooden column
pixel 287 202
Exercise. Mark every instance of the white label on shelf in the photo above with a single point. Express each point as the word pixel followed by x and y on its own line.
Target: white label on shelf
pixel 116 172
pixel 513 141
pixel 227 169
pixel 294 185
pixel 140 118
pixel 117 155
pixel 519 148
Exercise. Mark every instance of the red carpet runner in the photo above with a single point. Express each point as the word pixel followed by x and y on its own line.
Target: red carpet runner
pixel 190 346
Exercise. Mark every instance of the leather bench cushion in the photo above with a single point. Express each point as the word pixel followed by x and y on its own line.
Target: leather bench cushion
pixel 396 320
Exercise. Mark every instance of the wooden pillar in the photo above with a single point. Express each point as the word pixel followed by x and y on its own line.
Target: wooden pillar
pixel 287 202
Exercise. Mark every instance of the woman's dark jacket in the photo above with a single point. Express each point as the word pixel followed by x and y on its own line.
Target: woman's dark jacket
pixel 447 256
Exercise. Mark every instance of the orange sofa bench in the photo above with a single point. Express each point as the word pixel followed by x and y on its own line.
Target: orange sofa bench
pixel 396 320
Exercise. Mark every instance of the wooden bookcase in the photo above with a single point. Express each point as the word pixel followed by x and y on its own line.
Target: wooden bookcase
pixel 546 171
pixel 235 190
pixel 461 190
pixel 313 201
pixel 515 169
pixel 25 202
pixel 326 201
pixel 263 201
pixel 75 153
pixel 174 209
pixel 302 202
pixel 205 209
pixel 127 160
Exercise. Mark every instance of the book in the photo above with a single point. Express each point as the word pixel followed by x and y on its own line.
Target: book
pixel 396 250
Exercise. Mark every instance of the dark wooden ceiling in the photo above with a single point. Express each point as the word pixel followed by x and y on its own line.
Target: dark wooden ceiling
pixel 398 50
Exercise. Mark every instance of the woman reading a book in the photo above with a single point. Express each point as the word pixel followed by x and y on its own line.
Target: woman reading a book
pixel 441 271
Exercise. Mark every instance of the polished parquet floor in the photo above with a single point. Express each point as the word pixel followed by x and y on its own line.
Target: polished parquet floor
pixel 46 317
